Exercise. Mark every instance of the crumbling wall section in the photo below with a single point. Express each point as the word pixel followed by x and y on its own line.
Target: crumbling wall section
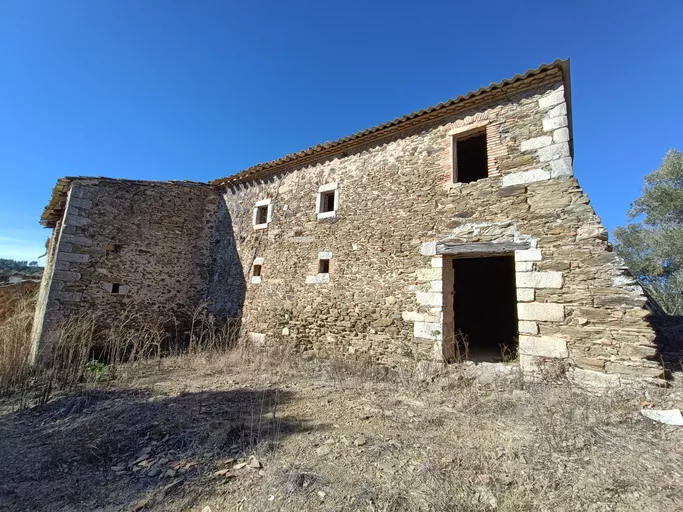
pixel 140 246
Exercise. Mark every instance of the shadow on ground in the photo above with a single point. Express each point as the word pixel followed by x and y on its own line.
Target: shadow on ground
pixel 80 452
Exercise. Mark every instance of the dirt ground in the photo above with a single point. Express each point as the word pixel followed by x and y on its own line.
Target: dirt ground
pixel 236 433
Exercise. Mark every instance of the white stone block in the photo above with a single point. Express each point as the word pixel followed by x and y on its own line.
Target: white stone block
pixel 324 255
pixel 525 294
pixel 524 266
pixel 553 124
pixel 542 312
pixel 536 143
pixel 543 346
pixel 258 261
pixel 429 298
pixel 553 152
pixel 257 338
pixel 528 255
pixel 561 168
pixel 519 178
pixel 552 99
pixel 437 262
pixel 428 274
pixel 560 110
pixel 427 330
pixel 436 286
pixel 561 135
pixel 428 249
pixel 526 327
pixel 539 279
pixel 255 279
pixel 412 316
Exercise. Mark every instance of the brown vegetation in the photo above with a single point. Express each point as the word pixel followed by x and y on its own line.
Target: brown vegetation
pixel 247 429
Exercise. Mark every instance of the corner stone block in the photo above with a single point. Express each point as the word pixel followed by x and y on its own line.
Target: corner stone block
pixel 528 255
pixel 543 346
pixel 526 327
pixel 65 275
pixel 561 135
pixel 553 124
pixel 412 316
pixel 520 178
pixel 437 262
pixel 429 298
pixel 427 330
pixel 73 257
pixel 552 99
pixel 525 295
pixel 428 249
pixel 436 286
pixel 67 296
pixel 560 110
pixel 561 167
pixel 75 239
pixel 542 312
pixel 553 152
pixel 428 274
pixel 80 203
pixel 539 279
pixel 536 143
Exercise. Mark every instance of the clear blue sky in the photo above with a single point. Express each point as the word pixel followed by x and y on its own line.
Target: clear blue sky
pixel 202 89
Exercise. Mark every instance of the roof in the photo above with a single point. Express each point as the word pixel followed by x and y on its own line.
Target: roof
pixel 559 69
pixel 55 208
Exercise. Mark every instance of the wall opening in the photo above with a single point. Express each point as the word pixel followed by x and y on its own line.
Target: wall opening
pixel 116 288
pixel 471 160
pixel 256 270
pixel 262 214
pixel 323 266
pixel 327 202
pixel 484 309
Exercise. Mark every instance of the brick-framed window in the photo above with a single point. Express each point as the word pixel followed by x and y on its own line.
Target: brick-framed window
pixel 327 201
pixel 263 211
pixel 469 153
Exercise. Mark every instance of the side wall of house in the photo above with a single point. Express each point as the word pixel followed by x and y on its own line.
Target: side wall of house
pixel 384 295
pixel 152 239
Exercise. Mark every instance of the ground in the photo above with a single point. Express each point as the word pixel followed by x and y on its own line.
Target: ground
pixel 243 432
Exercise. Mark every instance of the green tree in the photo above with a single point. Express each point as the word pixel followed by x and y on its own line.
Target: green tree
pixel 652 242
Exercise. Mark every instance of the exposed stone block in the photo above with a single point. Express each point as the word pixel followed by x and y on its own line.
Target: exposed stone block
pixel 559 110
pixel 553 124
pixel 524 266
pixel 525 294
pixel 528 255
pixel 428 274
pixel 561 168
pixel 637 351
pixel 437 262
pixel 80 203
pixel 428 249
pixel 654 371
pixel 76 220
pixel 552 99
pixel 593 380
pixel 561 135
pixel 526 327
pixel 75 239
pixel 412 316
pixel 518 178
pixel 436 286
pixel 542 312
pixel 536 143
pixel 429 298
pixel 427 330
pixel 589 363
pixel 588 231
pixel 553 152
pixel 67 296
pixel 539 279
pixel 543 346
pixel 73 257
pixel 65 275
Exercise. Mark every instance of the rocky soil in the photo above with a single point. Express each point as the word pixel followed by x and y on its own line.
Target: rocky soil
pixel 241 432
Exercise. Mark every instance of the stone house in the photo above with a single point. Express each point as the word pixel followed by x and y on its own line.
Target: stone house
pixel 456 230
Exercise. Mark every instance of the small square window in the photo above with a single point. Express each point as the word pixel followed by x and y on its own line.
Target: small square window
pixel 323 266
pixel 116 288
pixel 327 202
pixel 256 271
pixel 470 159
pixel 262 215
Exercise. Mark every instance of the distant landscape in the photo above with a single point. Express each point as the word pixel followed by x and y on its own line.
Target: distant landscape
pixel 27 269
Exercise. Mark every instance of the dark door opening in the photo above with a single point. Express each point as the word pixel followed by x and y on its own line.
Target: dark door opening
pixel 485 307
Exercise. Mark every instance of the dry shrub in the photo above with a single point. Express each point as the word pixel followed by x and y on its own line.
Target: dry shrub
pixel 15 331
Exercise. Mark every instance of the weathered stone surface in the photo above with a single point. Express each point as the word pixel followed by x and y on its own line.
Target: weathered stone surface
pixel 528 255
pixel 540 312
pixel 539 279
pixel 553 152
pixel 543 346
pixel 554 123
pixel 531 176
pixel 536 143
pixel 526 327
pixel 561 168
pixel 525 294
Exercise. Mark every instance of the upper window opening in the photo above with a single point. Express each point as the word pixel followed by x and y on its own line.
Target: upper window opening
pixel 327 202
pixel 262 215
pixel 116 288
pixel 323 266
pixel 470 162
pixel 256 271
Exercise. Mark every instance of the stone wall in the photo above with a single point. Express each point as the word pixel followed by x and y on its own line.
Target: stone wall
pixel 152 247
pixel 396 201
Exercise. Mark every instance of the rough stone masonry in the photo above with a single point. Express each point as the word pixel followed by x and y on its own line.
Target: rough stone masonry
pixel 349 247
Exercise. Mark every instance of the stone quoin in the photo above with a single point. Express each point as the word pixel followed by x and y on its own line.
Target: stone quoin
pixel 457 230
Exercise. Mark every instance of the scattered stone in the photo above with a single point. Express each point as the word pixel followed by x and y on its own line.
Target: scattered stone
pixel 360 441
pixel 239 465
pixel 324 450
pixel 154 471
pixel 170 473
pixel 140 459
pixel 227 473
pixel 254 463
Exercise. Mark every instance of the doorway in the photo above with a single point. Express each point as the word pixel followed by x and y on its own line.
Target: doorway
pixel 484 309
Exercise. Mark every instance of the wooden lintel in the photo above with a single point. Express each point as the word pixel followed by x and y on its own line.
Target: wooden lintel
pixel 482 248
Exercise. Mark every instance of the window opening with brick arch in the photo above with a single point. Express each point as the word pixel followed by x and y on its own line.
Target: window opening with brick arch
pixel 470 158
